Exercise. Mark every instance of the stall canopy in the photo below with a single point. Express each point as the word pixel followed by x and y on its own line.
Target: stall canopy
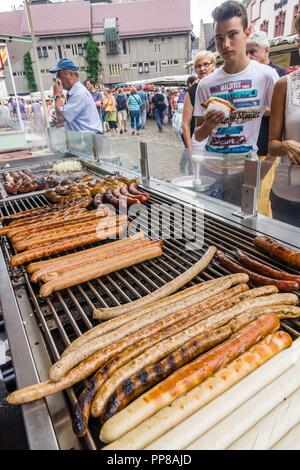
pixel 174 80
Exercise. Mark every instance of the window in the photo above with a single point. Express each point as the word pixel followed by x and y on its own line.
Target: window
pixel 175 62
pixel 150 39
pixel 146 67
pixel 141 68
pixel 279 24
pixel 264 26
pixel 67 46
pixel 296 11
pixel 163 39
pixel 169 38
pixel 164 63
pixel 133 65
pixel 114 70
pixel 170 62
pixel 124 48
pixel 74 49
pixel 39 52
pixel 50 48
pixel 152 64
pixel 45 52
pixel 102 44
pixel 82 69
pixel 80 49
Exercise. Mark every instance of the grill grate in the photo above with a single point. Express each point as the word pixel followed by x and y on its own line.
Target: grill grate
pixel 68 314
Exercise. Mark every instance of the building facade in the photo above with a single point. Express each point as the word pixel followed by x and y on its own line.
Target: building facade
pixel 137 39
pixel 276 18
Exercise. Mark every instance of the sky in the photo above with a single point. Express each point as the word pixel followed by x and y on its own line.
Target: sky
pixel 199 10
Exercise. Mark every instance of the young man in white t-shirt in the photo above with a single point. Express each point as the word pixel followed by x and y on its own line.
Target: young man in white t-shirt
pixel 247 84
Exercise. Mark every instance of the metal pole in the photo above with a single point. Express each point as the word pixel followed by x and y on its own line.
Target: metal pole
pixel 15 93
pixel 36 59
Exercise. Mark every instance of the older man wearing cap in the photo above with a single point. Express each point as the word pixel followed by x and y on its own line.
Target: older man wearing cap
pixel 79 113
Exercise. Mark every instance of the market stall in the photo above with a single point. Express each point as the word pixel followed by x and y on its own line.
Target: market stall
pixel 58 282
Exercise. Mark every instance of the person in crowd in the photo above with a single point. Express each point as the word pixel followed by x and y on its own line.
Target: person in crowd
pixel 258 49
pixel 121 100
pixel 37 115
pixel 96 95
pixel 79 112
pixel 164 93
pixel 204 65
pixel 159 108
pixel 134 104
pixel 173 102
pixel 144 106
pixel 5 117
pixel 284 141
pixel 110 112
pixel 236 81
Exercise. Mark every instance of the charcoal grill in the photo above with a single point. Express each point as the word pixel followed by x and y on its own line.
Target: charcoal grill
pixel 40 329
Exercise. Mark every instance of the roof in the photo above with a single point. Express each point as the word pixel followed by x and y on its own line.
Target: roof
pixel 59 18
pixel 134 18
pixel 144 18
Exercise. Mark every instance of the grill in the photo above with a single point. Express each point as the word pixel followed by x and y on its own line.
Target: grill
pixel 68 314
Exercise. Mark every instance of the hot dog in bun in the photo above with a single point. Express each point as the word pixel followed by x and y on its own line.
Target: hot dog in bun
pixel 216 100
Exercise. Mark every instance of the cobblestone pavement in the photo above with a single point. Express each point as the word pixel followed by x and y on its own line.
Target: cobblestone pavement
pixel 164 150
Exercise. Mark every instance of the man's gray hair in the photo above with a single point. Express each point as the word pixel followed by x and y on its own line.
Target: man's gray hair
pixel 259 38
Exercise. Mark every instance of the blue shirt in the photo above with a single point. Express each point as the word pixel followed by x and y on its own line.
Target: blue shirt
pixel 80 111
pixel 134 102
pixel 143 97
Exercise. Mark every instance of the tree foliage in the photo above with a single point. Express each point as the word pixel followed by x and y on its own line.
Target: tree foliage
pixel 32 86
pixel 92 51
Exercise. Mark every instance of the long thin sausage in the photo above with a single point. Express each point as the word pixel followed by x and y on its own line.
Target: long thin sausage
pixel 276 250
pixel 191 375
pixel 284 286
pixel 52 272
pixel 66 245
pixel 264 269
pixel 119 430
pixel 117 322
pixel 81 274
pixel 148 323
pixel 64 260
pixel 160 293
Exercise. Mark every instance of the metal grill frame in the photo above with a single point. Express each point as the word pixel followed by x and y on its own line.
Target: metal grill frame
pixel 39 347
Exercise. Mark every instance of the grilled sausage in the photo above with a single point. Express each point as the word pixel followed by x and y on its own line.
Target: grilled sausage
pixel 64 260
pixel 146 325
pixel 284 286
pixel 150 375
pixel 142 197
pixel 117 429
pixel 264 269
pixel 132 189
pixel 160 293
pixel 191 375
pixel 117 322
pixel 276 250
pixel 65 245
pixel 83 406
pixel 95 269
pixel 150 356
pixel 100 252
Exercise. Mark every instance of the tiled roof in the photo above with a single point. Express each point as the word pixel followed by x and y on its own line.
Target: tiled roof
pixel 10 22
pixel 60 18
pixel 149 17
pixel 134 18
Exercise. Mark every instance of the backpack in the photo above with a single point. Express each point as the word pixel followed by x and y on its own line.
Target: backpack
pixel 122 101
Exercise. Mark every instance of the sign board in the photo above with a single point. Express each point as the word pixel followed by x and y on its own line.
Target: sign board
pixel 3 57
pixel 282 60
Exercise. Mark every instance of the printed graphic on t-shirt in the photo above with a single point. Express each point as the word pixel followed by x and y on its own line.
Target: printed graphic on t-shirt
pixel 231 137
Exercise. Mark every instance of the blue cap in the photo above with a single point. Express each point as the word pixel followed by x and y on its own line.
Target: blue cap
pixel 64 64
